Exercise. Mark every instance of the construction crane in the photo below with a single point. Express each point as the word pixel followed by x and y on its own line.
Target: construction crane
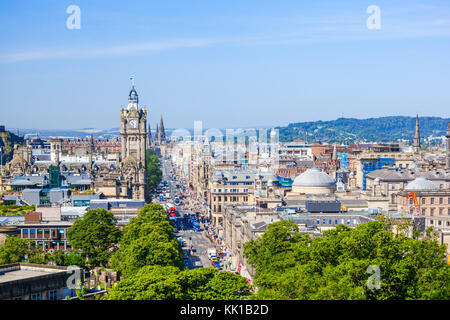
pixel 416 203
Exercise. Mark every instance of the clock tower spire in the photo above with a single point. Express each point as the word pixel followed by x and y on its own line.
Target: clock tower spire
pixel 133 135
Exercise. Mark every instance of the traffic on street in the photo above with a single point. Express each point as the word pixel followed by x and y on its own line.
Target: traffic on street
pixel 191 225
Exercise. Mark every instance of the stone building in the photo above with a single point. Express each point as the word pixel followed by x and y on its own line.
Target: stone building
pixel 133 134
pixel 26 281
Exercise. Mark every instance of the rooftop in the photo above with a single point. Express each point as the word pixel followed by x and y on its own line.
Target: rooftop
pixel 22 271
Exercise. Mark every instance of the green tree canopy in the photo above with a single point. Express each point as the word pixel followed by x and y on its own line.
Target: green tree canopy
pixel 154 173
pixel 147 240
pixel 16 249
pixel 95 235
pixel 169 283
pixel 290 265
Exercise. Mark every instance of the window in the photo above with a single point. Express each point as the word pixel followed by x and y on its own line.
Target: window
pixel 36 296
pixel 25 231
pixel 424 200
pixel 441 200
pixel 318 221
pixel 432 212
pixel 52 295
pixel 324 221
pixel 432 200
pixel 225 198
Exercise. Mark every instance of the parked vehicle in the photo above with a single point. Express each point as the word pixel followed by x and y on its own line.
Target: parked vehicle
pixel 211 253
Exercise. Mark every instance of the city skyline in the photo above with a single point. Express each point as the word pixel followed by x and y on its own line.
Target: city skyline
pixel 229 65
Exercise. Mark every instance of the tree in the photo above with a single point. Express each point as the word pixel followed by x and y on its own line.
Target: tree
pixel 71 258
pixel 154 173
pixel 95 235
pixel 169 283
pixel 16 249
pixel 338 264
pixel 148 240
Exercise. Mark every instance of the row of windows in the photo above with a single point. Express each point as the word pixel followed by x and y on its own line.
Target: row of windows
pixel 432 200
pixel 46 231
pixel 439 223
pixel 51 295
pixel 336 221
pixel 231 190
pixel 232 198
pixel 237 183
pixel 432 211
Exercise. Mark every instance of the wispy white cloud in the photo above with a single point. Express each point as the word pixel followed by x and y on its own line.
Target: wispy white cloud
pixel 120 50
pixel 312 30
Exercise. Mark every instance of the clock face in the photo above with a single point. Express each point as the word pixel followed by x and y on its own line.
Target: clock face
pixel 133 123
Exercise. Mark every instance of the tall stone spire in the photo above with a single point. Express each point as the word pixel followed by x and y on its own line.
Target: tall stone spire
pixel 161 129
pixel 447 161
pixel 416 145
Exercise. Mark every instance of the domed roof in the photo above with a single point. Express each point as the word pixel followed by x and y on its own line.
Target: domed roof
pixel 314 177
pixel 421 183
pixel 133 96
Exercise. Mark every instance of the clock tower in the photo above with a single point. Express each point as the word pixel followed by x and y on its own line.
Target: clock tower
pixel 133 134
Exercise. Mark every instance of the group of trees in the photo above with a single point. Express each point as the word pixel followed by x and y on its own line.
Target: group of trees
pixel 147 240
pixel 154 173
pixel 340 264
pixel 343 262
pixel 16 249
pixel 151 260
pixel 350 130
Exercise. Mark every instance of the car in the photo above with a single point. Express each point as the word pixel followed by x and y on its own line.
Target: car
pixel 217 265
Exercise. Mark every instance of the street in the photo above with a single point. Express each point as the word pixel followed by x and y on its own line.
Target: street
pixel 196 243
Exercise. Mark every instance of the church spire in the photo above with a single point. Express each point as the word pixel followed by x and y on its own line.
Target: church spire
pixel 162 133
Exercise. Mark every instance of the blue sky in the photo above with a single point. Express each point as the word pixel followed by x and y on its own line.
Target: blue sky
pixel 231 63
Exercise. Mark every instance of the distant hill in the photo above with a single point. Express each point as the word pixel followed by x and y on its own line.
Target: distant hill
pixel 350 130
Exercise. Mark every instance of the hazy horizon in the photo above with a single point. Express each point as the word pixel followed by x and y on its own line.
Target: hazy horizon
pixel 230 64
